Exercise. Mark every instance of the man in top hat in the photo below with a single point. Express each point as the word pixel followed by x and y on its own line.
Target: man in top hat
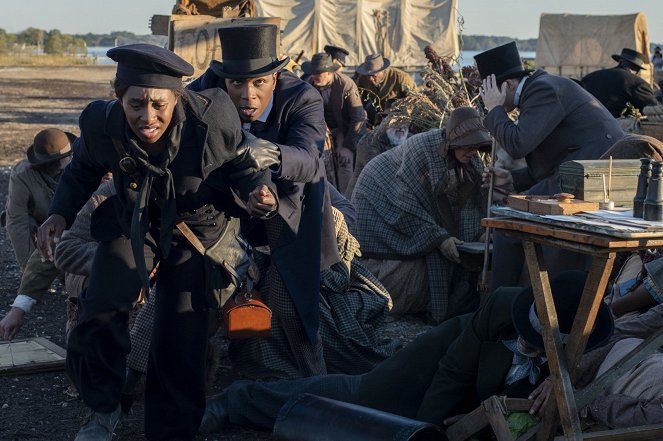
pixel 447 371
pixel 383 84
pixel 558 121
pixel 175 155
pixel 287 116
pixel 620 85
pixel 338 55
pixel 344 114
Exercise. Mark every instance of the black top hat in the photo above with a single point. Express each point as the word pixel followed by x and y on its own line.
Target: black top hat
pixel 147 65
pixel 321 62
pixel 337 53
pixel 50 145
pixel 503 61
pixel 566 291
pixel 373 64
pixel 635 58
pixel 248 51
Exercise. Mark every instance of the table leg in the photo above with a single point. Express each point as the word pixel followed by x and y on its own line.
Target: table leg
pixel 588 309
pixel 557 362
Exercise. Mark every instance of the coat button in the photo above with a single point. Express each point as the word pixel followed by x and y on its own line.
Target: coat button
pixel 133 185
pixel 608 135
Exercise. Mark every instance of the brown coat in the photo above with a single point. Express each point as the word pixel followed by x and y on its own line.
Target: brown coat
pixel 28 199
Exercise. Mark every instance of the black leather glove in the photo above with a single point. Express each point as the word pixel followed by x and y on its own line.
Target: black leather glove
pixel 254 154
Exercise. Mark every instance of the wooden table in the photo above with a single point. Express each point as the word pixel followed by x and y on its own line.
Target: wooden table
pixel 535 232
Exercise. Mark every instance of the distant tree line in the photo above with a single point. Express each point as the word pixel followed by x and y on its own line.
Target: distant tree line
pixel 54 42
pixel 485 42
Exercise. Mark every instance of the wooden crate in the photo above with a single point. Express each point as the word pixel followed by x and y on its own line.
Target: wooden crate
pixel 653 129
pixel 584 179
pixel 549 205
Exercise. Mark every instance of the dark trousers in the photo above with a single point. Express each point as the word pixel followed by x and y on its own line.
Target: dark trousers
pixel 96 357
pixel 509 257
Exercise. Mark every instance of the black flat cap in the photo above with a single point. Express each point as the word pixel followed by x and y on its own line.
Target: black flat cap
pixel 337 53
pixel 147 65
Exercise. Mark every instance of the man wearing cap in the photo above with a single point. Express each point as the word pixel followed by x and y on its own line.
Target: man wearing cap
pixel 446 371
pixel 558 121
pixel 380 84
pixel 344 113
pixel 175 155
pixel 32 184
pixel 286 114
pixel 621 85
pixel 415 204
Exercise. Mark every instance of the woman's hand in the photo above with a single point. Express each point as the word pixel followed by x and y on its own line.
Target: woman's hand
pixel 262 202
pixel 50 232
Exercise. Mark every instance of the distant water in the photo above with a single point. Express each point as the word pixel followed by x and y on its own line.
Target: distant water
pixel 466 57
pixel 98 54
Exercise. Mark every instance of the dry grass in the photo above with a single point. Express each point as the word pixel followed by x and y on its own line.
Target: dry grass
pixel 42 60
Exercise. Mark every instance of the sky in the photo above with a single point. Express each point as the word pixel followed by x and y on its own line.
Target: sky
pixel 512 18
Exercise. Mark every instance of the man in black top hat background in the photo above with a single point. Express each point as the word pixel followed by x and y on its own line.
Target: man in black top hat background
pixel 287 114
pixel 175 156
pixel 620 85
pixel 338 55
pixel 344 113
pixel 558 121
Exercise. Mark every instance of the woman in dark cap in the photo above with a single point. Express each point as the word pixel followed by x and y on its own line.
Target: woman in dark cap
pixel 175 156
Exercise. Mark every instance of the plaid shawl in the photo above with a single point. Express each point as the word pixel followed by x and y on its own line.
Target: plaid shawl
pixel 399 214
pixel 353 305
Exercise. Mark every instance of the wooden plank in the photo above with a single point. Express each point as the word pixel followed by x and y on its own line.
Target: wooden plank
pixel 639 433
pixel 653 240
pixel 26 356
pixel 590 302
pixel 644 349
pixel 607 231
pixel 495 415
pixel 468 425
pixel 559 372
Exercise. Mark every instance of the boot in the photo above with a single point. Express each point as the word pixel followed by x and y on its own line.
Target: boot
pixel 215 417
pixel 129 390
pixel 100 426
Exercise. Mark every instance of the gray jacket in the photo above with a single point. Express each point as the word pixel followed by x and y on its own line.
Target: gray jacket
pixel 28 199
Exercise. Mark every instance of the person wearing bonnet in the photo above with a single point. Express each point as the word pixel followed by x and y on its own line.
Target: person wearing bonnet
pixel 415 204
pixel 175 155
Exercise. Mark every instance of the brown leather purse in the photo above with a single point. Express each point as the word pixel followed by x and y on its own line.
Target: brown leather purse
pixel 245 315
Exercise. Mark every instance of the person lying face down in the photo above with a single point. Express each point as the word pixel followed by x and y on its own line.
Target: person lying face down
pixel 448 370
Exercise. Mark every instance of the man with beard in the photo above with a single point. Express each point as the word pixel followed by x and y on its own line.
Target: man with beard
pixel 344 113
pixel 287 117
pixel 391 132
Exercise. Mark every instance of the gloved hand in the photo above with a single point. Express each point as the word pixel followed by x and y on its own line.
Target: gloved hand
pixel 254 154
pixel 449 250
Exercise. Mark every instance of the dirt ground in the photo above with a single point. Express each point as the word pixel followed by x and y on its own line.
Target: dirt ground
pixel 37 406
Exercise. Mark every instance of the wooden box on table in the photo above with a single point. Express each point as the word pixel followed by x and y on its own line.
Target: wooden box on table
pixel 584 179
